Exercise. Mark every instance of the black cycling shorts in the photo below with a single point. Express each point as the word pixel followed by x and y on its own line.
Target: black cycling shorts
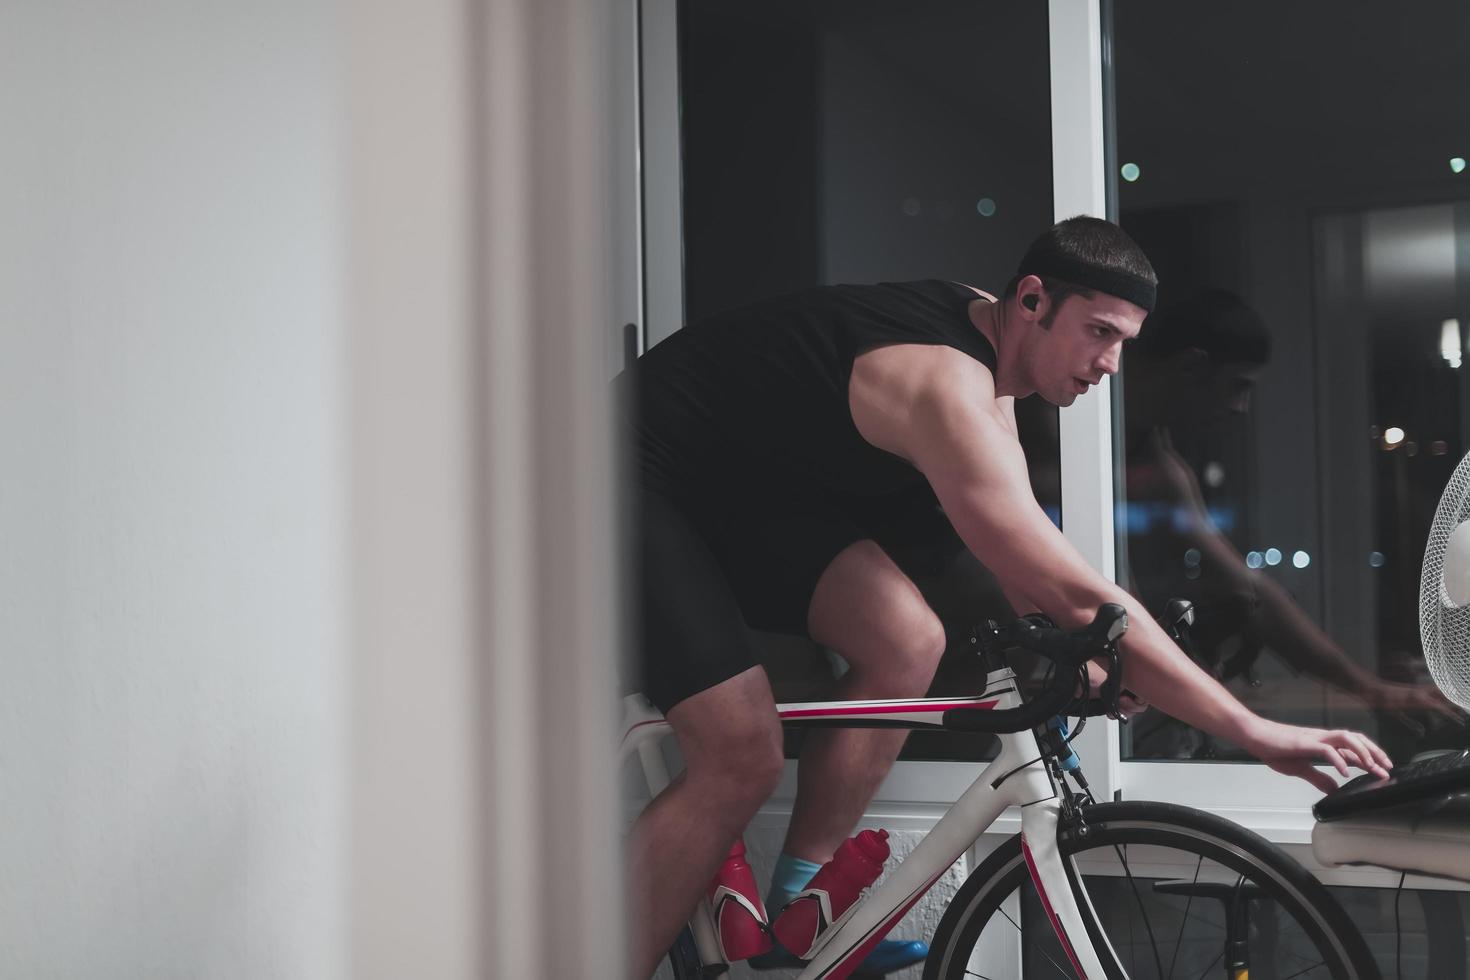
pixel 707 575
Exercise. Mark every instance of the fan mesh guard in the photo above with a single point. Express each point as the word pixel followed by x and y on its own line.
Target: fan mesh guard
pixel 1444 629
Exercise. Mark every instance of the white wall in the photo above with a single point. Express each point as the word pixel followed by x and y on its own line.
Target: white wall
pixel 172 442
pixel 305 489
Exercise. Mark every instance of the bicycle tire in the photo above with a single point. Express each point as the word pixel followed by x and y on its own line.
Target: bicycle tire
pixel 1116 826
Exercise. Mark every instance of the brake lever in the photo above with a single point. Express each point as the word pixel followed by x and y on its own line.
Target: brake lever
pixel 1176 619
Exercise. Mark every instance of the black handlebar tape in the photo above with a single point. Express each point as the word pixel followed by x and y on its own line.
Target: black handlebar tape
pixel 1054 644
pixel 1071 649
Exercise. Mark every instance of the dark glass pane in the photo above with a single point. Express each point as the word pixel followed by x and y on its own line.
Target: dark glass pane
pixel 1297 189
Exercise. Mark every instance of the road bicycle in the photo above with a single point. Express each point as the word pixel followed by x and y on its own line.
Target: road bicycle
pixel 1087 889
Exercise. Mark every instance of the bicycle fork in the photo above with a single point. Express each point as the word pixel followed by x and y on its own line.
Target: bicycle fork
pixel 1063 898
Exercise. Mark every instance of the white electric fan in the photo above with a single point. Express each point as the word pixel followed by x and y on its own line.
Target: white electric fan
pixel 1444 591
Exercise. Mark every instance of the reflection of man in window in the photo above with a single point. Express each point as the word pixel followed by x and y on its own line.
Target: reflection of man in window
pixel 1193 368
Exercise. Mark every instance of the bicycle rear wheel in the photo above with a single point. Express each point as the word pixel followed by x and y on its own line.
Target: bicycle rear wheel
pixel 1291 928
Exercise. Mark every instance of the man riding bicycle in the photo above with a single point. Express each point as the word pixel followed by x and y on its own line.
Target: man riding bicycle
pixel 774 447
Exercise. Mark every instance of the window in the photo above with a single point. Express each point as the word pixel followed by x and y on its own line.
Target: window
pixel 1291 413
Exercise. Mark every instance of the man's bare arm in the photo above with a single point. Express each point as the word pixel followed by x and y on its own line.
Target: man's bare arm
pixel 978 471
pixel 953 433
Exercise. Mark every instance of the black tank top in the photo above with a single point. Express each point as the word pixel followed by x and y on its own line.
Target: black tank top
pixel 752 402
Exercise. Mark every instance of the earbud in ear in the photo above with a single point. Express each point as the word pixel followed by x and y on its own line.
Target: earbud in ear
pixel 1030 303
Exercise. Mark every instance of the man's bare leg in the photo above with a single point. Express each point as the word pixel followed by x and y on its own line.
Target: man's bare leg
pixel 731 742
pixel 866 609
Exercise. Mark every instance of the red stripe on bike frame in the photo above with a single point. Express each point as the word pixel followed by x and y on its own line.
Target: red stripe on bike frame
pixel 1056 923
pixel 850 962
pixel 920 707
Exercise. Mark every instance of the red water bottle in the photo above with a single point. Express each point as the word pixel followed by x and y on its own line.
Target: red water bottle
pixel 740 915
pixel 832 890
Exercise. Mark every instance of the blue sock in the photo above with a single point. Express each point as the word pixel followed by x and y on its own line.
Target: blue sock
pixel 790 876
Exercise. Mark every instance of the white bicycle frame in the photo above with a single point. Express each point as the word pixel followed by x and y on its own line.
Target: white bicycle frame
pixel 1016 777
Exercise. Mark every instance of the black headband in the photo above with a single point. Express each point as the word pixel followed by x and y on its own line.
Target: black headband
pixel 1124 285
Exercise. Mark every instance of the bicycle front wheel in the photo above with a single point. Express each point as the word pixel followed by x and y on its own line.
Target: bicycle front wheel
pixel 1177 893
